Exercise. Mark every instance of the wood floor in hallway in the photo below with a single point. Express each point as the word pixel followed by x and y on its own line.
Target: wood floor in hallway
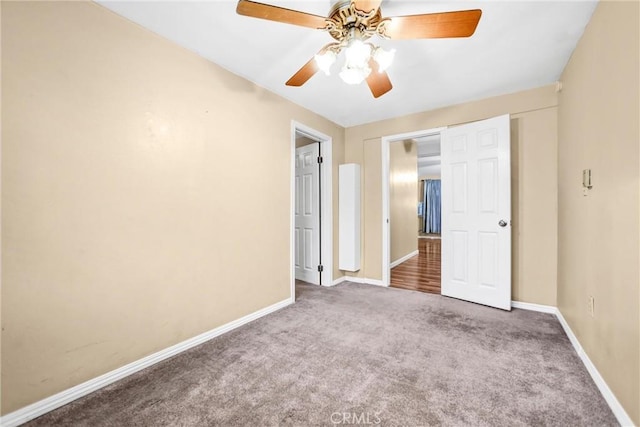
pixel 422 272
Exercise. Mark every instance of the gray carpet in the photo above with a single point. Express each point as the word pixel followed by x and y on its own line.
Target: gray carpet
pixel 357 354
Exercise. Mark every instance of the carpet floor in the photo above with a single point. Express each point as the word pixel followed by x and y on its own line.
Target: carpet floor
pixel 360 354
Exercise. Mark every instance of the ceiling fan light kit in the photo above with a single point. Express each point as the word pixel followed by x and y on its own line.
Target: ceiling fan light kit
pixel 356 66
pixel 384 58
pixel 325 61
pixel 352 23
pixel 353 75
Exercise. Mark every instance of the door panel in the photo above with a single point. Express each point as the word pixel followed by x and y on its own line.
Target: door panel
pixel 460 250
pixel 488 185
pixel 307 214
pixel 476 196
pixel 488 259
pixel 459 191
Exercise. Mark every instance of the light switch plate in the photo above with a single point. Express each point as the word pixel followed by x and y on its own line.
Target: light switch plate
pixel 586 178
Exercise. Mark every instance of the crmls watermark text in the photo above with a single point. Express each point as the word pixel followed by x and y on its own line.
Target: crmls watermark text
pixel 356 418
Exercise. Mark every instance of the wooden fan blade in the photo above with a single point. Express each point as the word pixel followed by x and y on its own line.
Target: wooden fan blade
pixel 378 82
pixel 305 73
pixel 310 68
pixel 434 25
pixel 367 5
pixel 279 14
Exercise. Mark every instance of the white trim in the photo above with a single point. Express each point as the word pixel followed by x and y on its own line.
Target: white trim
pixel 404 258
pixel 43 406
pixel 326 151
pixel 292 218
pixel 534 307
pixel 375 282
pixel 339 280
pixel 326 198
pixel 609 397
pixel 386 250
pixel 365 281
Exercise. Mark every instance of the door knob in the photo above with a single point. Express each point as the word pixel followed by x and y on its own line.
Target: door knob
pixel 502 223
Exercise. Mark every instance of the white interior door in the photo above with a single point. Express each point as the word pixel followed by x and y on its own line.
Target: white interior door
pixel 476 212
pixel 307 214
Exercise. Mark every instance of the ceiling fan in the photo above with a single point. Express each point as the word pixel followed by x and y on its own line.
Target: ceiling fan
pixel 352 23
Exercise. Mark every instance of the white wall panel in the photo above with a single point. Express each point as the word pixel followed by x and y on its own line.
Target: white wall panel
pixel 349 217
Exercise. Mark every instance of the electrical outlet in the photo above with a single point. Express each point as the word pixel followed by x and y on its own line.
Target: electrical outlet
pixel 592 305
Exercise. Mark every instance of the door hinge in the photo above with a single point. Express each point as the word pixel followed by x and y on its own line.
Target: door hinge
pixel 320 268
pixel 319 159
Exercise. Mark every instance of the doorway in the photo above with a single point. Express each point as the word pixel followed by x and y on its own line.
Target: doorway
pixel 311 235
pixel 476 209
pixel 413 203
pixel 307 215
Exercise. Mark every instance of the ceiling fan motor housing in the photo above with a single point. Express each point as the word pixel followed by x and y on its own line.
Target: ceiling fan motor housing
pixel 346 22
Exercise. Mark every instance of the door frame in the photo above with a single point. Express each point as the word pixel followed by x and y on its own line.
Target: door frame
pixel 326 203
pixel 386 228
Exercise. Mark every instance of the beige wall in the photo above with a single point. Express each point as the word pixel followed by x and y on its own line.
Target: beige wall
pixel 126 165
pixel 534 182
pixel 599 234
pixel 403 201
pixel 302 141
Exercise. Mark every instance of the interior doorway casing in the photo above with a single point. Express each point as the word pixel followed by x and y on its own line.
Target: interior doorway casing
pixel 326 198
pixel 386 229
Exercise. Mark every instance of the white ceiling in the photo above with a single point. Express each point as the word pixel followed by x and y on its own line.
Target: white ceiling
pixel 428 145
pixel 517 45
pixel 429 160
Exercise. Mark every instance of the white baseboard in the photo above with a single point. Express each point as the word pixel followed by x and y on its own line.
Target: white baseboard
pixel 364 280
pixel 339 280
pixel 353 279
pixel 614 404
pixel 534 307
pixel 403 259
pixel 374 282
pixel 43 406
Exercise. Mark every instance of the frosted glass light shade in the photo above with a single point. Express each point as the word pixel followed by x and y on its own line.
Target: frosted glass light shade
pixel 384 58
pixel 354 76
pixel 325 61
pixel 358 54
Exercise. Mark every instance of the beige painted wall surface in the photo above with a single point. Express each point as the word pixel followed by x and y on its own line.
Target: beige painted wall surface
pixel 599 235
pixel 403 200
pixel 534 206
pixel 302 141
pixel 534 182
pixel 126 165
pixel 372 197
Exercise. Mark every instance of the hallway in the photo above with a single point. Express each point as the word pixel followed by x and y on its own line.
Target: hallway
pixel 422 272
